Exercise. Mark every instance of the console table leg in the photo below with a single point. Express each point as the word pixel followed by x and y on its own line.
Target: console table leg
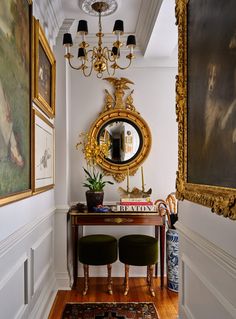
pixel 156 236
pixel 75 255
pixel 162 253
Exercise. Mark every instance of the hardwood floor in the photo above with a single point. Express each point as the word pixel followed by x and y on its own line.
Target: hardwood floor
pixel 166 301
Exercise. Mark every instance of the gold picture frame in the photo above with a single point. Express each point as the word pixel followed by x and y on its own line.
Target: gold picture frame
pixel 43 153
pixel 15 100
pixel 44 73
pixel 206 173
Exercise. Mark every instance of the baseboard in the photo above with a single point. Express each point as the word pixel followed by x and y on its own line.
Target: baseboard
pixel 63 281
pixel 44 303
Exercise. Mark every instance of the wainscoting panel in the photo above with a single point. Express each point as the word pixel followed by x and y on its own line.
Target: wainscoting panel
pixel 13 286
pixel 41 256
pixel 207 278
pixel 27 280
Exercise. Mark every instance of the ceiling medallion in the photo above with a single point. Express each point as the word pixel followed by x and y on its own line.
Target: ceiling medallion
pixel 87 7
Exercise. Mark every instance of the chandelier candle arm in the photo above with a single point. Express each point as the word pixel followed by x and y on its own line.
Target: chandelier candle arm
pixel 100 56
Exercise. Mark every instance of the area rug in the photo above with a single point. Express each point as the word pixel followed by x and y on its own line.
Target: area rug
pixel 110 310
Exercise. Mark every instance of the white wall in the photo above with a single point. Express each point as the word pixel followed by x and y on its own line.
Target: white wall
pixel 207 264
pixel 154 98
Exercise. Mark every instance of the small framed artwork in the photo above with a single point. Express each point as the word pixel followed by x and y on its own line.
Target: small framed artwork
pixel 44 72
pixel 15 100
pixel 43 153
pixel 206 104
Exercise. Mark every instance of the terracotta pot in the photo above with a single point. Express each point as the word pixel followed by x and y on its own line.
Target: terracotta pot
pixel 94 199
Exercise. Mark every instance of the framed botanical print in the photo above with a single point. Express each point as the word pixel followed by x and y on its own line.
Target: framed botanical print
pixel 206 104
pixel 43 73
pixel 43 152
pixel 15 99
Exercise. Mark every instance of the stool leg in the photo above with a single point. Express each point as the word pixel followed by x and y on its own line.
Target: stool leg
pixel 109 286
pixel 86 275
pixel 150 270
pixel 148 275
pixel 126 280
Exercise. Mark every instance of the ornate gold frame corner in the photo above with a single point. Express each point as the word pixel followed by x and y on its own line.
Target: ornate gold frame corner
pixel 40 38
pixel 221 200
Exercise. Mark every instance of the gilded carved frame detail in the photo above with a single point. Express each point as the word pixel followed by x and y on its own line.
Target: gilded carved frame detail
pixel 221 200
pixel 118 108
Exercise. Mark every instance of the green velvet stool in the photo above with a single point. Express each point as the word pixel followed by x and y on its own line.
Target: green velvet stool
pixel 138 250
pixel 97 250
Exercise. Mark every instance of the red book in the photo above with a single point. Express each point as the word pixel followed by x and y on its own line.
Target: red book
pixel 136 203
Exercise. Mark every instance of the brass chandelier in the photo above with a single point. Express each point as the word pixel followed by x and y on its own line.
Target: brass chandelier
pixel 100 58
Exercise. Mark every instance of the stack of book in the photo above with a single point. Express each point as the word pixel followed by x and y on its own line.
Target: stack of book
pixel 136 205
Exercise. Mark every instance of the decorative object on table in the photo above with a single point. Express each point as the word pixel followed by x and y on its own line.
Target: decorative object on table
pixel 81 207
pixel 99 59
pixel 102 209
pixel 135 200
pixel 94 179
pixel 135 193
pixel 121 125
pixel 43 153
pixel 44 72
pixel 15 100
pixel 115 310
pixel 206 104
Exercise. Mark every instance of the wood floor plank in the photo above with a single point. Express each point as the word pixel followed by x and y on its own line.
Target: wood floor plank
pixel 165 300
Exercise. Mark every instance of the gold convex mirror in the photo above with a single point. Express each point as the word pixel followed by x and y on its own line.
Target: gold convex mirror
pixel 124 130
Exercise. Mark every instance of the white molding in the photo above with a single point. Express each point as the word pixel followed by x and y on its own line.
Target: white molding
pixel 35 285
pixel 63 280
pixel 146 21
pixel 44 303
pixel 51 16
pixel 8 243
pixel 13 270
pixel 223 259
pixel 215 292
pixel 62 209
pixel 185 313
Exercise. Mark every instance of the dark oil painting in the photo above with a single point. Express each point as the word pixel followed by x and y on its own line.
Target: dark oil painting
pixel 211 92
pixel 44 75
pixel 14 97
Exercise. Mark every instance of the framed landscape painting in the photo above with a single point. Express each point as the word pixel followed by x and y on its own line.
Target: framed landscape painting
pixel 43 152
pixel 15 99
pixel 44 72
pixel 206 104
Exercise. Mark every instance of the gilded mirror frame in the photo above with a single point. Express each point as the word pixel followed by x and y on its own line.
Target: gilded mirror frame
pixel 221 200
pixel 120 108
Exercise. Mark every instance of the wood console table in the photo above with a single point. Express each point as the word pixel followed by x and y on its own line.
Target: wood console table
pixel 76 221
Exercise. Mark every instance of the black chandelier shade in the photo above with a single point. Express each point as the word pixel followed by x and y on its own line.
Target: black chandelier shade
pixel 118 26
pixel 81 53
pixel 83 26
pixel 131 40
pixel 67 39
pixel 115 51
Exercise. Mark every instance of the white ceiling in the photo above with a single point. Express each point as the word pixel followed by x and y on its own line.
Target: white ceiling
pixel 151 21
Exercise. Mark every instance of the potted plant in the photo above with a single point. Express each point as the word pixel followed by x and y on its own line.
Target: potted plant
pixel 94 179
